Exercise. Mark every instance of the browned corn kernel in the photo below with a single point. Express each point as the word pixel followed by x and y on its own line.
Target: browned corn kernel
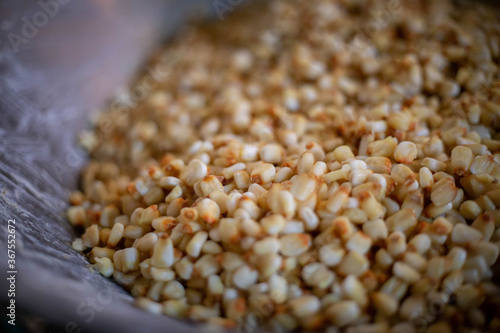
pixel 77 215
pixel 385 303
pixel 342 153
pixel 104 266
pixel 443 192
pixel 101 252
pixel 338 199
pixel 108 215
pixel 116 234
pixel 104 235
pixel 470 210
pixel 133 232
pixel 91 236
pixel 383 147
pixel 482 164
pixel 404 220
pixel 126 260
pixel 485 224
pixel 304 306
pixel 343 312
pixel 461 158
pixel 163 253
pixel 263 173
pixel 353 263
pixel 196 170
pixel 405 152
pixel 294 244
pixel 462 234
pixel 196 243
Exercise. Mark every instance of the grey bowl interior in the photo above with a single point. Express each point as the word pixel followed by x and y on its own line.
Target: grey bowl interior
pixel 53 77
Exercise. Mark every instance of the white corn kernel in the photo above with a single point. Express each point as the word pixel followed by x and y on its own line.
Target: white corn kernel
pixel 294 244
pixel 163 253
pixel 405 152
pixel 196 243
pixel 244 277
pixel 343 313
pixel 304 306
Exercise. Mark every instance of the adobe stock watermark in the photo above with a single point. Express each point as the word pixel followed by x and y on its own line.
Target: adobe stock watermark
pixel 427 314
pixel 255 320
pixel 11 271
pixel 379 21
pixel 32 25
pixel 120 107
pixel 225 6
pixel 88 309
pixel 118 110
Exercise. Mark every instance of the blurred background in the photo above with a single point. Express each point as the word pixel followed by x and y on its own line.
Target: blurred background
pixel 61 61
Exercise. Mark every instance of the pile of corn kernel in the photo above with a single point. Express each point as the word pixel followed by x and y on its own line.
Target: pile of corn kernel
pixel 308 165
